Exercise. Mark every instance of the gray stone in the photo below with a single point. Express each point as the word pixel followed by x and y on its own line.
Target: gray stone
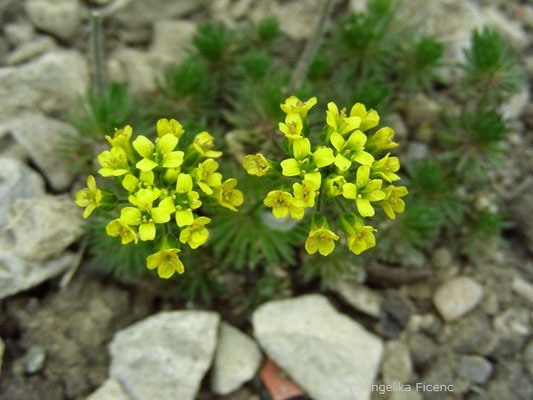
pixel 170 42
pixel 164 356
pixel 422 349
pixel 396 365
pixel 523 288
pixel 18 274
pixel 18 33
pixel 513 322
pixel 33 360
pixel 324 351
pixel 237 360
pixel 141 12
pixel 16 181
pixel 417 151
pixel 134 67
pixel 44 226
pixel 472 334
pixel 475 369
pixel 42 145
pixel 510 30
pixel 396 312
pixel 457 297
pixel 49 83
pixel 442 258
pixel 30 50
pixel 61 18
pixel 2 348
pixel 359 297
pixel 440 372
pixel 110 390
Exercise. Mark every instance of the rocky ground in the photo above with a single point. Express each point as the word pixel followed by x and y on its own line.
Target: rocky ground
pixel 451 322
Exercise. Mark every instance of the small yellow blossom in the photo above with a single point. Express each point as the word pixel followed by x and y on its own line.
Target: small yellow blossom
pixel 282 204
pixel 350 150
pixel 121 139
pixel 117 227
pixel 227 196
pixel 392 203
pixel 207 177
pixel 159 154
pixel 386 168
pixel 369 119
pixel 113 162
pixel 321 240
pixel 203 143
pixel 89 197
pixel 131 183
pixel 196 234
pixel 186 200
pixel 292 127
pixel 294 105
pixel 364 191
pixel 305 193
pixel 381 140
pixel 166 261
pixel 339 122
pixel 172 127
pixel 256 164
pixel 334 185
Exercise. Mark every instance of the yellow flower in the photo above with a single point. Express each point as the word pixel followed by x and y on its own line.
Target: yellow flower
pixel 172 127
pixel 145 215
pixel 321 240
pixel 333 186
pixel 292 127
pixel 360 237
pixel 166 261
pixel 227 196
pixel 89 197
pixel 117 227
pixel 369 119
pixel 203 143
pixel 302 162
pixel 350 150
pixel 294 105
pixel 161 154
pixel 206 177
pixel 392 203
pixel 121 139
pixel 386 168
pixel 113 162
pixel 185 200
pixel 282 204
pixel 339 122
pixel 196 234
pixel 305 193
pixel 256 164
pixel 364 191
pixel 381 140
pixel 131 183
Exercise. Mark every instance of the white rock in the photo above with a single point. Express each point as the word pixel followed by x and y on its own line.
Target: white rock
pixel 457 297
pixel 396 365
pixel 134 67
pixel 30 50
pixel 61 18
pixel 2 347
pixel 16 181
pixel 40 136
pixel 50 83
pixel 513 322
pixel 523 288
pixel 19 33
pixel 324 351
pixel 171 39
pixel 110 390
pixel 18 274
pixel 165 356
pixel 42 227
pixel 359 297
pixel 510 30
pixel 475 369
pixel 237 360
pixel 141 12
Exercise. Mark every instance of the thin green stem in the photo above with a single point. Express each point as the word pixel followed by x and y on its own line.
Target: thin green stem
pixel 319 201
pixel 98 51
pixel 342 206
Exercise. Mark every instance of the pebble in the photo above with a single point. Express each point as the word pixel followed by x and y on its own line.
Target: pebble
pixel 457 297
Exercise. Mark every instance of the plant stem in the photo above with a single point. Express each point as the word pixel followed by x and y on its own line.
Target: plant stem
pixel 319 201
pixel 342 206
pixel 98 51
pixel 313 43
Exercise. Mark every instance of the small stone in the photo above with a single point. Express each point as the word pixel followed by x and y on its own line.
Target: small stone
pixel 44 226
pixel 34 359
pixel 19 33
pixel 171 39
pixel 475 369
pixel 472 334
pixel 422 349
pixel 440 372
pixel 134 67
pixel 359 297
pixel 42 148
pixel 523 288
pixel 323 350
pixel 396 364
pixel 30 50
pixel 237 360
pixel 17 181
pixel 133 13
pixel 513 322
pixel 457 297
pixel 61 18
pixel 165 356
pixel 396 311
pixel 110 390
pixel 442 258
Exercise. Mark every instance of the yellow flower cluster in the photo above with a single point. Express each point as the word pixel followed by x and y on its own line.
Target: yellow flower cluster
pixel 165 187
pixel 344 168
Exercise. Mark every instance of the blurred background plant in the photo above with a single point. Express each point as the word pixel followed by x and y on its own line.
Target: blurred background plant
pixel 232 83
